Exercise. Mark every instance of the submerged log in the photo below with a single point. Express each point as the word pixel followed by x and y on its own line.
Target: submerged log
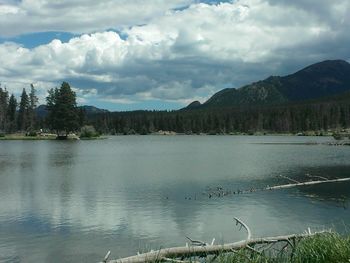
pixel 220 192
pixel 284 186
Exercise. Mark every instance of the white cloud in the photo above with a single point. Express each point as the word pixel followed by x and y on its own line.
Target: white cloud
pixel 78 16
pixel 183 55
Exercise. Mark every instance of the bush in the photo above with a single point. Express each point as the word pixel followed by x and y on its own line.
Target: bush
pixel 2 135
pixel 31 133
pixel 88 131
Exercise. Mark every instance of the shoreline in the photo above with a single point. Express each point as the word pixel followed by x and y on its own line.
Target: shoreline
pixel 18 137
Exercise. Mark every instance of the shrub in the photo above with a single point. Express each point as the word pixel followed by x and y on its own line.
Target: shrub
pixel 31 133
pixel 88 131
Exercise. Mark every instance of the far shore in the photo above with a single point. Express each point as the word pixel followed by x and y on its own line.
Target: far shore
pixel 46 137
pixel 50 136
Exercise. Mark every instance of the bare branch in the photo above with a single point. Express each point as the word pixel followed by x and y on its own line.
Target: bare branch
pixel 196 242
pixel 290 179
pixel 106 256
pixel 316 176
pixel 242 224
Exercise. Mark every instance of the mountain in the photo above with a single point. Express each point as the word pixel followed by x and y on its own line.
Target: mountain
pixel 41 110
pixel 193 105
pixel 89 110
pixel 316 81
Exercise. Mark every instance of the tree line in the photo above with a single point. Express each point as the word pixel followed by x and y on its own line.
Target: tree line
pixel 318 116
pixel 63 116
pixel 18 116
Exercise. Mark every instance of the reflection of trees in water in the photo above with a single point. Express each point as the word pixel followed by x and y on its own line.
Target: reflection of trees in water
pixel 63 154
pixel 61 161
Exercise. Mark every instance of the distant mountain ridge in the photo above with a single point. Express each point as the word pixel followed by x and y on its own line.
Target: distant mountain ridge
pixel 323 79
pixel 41 110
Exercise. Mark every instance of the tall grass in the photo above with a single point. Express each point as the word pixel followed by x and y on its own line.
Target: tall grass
pixel 325 248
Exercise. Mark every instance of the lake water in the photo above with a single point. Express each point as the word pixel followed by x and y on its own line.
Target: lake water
pixel 73 201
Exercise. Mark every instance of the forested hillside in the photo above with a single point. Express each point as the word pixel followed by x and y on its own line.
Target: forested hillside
pixel 322 115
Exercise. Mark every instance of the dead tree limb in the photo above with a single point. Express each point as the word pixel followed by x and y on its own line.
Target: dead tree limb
pixel 317 176
pixel 290 179
pixel 196 242
pixel 167 254
pixel 176 252
pixel 240 222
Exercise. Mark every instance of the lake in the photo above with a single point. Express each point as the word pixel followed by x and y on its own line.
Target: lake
pixel 72 201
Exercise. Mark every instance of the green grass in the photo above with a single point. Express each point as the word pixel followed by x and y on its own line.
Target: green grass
pixel 325 248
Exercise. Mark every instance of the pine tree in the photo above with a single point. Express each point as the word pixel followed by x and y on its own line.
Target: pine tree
pixel 33 101
pixel 23 112
pixel 62 107
pixel 11 114
pixel 3 108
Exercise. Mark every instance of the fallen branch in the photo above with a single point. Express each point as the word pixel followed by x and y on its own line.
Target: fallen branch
pixel 168 254
pixel 238 221
pixel 176 252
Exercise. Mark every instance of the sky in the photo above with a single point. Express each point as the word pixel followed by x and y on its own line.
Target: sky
pixel 163 54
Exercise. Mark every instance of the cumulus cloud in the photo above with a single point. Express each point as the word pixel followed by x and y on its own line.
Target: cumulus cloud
pixel 78 16
pixel 178 55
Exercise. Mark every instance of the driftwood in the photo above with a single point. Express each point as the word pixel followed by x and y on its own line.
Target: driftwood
pixel 201 249
pixel 306 183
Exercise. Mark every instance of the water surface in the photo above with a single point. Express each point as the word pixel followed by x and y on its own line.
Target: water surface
pixel 73 201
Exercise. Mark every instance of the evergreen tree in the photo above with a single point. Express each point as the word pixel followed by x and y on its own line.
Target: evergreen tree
pixel 33 101
pixel 62 107
pixel 3 108
pixel 23 112
pixel 11 114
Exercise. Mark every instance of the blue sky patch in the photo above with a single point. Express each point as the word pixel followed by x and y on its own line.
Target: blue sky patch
pixel 36 39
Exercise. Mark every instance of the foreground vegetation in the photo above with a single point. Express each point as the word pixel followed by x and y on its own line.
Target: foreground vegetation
pixel 323 248
pixel 320 247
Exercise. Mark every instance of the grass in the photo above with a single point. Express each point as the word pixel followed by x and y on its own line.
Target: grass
pixel 323 248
